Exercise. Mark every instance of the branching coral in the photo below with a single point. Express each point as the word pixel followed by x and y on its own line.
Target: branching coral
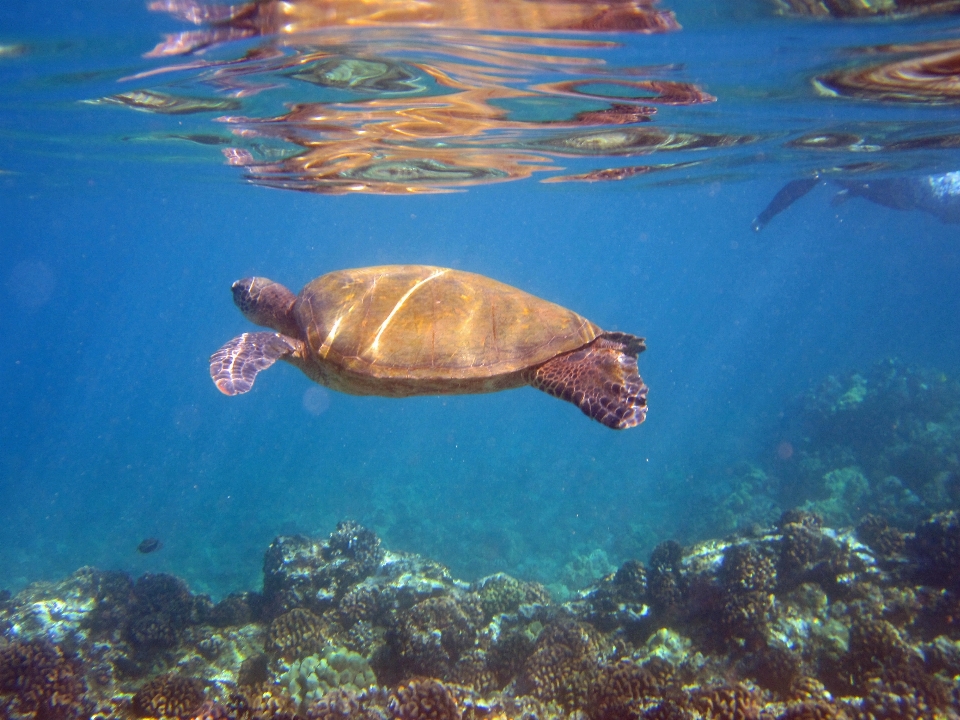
pixel 815 710
pixel 296 634
pixel 738 702
pixel 424 699
pixel 876 532
pixel 800 545
pixel 667 710
pixel 513 642
pixel 235 609
pixel 748 578
pixel 169 696
pixel 886 438
pixel 619 602
pixel 364 603
pixel 160 610
pixel 114 593
pixel 875 647
pixel 267 702
pixel 622 691
pixel 353 552
pixel 791 610
pixel 37 678
pixel 433 634
pixel 935 551
pixel 501 593
pixel 666 585
pixel 774 668
pixel 340 705
pixel 301 572
pixel 564 664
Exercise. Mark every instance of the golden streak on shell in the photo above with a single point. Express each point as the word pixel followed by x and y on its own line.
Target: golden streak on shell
pixel 375 345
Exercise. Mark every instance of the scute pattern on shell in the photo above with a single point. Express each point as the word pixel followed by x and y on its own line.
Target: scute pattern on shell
pixel 485 331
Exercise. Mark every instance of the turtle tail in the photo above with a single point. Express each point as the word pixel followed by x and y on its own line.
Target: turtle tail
pixel 601 379
pixel 234 367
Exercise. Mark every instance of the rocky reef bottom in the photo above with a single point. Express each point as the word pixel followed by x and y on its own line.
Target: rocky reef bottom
pixel 798 621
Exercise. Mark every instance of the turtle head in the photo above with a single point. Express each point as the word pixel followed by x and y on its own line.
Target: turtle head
pixel 266 303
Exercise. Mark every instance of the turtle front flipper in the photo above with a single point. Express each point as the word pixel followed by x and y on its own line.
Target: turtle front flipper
pixel 601 378
pixel 234 367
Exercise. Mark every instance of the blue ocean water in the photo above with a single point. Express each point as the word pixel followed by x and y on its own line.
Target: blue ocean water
pixel 122 232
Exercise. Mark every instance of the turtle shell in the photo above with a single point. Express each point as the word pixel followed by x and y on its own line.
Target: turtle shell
pixel 432 325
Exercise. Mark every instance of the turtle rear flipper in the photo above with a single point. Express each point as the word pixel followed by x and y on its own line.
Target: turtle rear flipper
pixel 234 367
pixel 601 378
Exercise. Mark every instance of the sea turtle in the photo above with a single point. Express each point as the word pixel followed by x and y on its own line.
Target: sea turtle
pixel 400 330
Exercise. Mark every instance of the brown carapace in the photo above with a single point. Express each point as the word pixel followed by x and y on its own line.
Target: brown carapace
pixel 401 330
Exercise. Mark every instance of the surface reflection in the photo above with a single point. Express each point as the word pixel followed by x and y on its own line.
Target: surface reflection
pixel 866 8
pixel 400 97
pixel 273 17
pixel 419 97
pixel 929 74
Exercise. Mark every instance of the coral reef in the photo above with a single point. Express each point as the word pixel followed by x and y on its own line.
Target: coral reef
pixel 303 572
pixel 38 678
pixel 563 665
pixel 622 691
pixel 314 676
pixel 424 698
pixel 161 607
pixel 885 441
pixel 296 634
pixel 501 593
pixel 432 636
pixel 169 696
pixel 797 621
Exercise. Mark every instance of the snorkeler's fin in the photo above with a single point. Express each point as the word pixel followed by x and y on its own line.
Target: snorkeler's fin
pixel 788 195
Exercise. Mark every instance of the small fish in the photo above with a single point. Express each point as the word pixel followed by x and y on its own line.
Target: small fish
pixel 149 545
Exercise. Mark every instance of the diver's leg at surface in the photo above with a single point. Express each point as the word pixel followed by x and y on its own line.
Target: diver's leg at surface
pixel 788 195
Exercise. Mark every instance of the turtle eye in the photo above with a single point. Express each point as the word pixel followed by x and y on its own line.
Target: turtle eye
pixel 241 294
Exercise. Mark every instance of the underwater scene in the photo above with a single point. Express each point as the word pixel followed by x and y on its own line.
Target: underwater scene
pixel 620 348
